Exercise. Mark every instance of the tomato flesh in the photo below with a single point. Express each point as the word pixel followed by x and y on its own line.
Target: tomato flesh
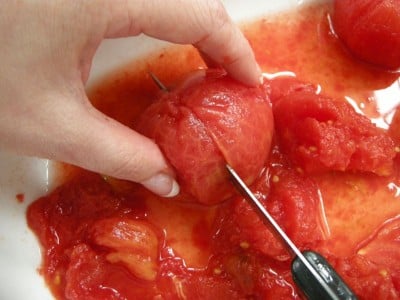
pixel 293 201
pixel 320 133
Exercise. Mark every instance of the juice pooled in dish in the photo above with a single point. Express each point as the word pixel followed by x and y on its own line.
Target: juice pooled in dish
pixel 323 160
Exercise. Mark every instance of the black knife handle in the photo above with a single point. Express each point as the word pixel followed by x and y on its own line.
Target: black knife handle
pixel 334 288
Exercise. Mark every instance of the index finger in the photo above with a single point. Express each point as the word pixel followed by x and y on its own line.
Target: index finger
pixel 203 23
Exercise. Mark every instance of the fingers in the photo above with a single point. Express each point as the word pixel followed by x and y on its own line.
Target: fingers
pixel 230 53
pixel 74 132
pixel 125 154
pixel 65 127
pixel 103 145
pixel 204 23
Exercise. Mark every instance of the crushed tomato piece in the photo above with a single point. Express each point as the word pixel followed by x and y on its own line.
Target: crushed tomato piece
pixel 321 134
pixel 293 202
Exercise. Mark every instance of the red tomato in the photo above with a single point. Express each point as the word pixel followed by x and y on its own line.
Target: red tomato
pixel 131 243
pixel 260 278
pixel 176 282
pixel 63 217
pixel 394 132
pixel 85 275
pixel 374 272
pixel 78 224
pixel 320 133
pixel 370 29
pixel 293 201
pixel 368 280
pixel 208 121
pixel 394 129
pixel 382 248
pixel 89 276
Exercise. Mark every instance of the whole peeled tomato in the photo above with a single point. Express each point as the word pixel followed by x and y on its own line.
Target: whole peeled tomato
pixel 209 120
pixel 370 29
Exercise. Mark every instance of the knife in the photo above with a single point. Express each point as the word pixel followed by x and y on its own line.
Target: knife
pixel 311 272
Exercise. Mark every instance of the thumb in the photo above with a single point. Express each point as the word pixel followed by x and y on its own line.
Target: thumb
pixel 104 145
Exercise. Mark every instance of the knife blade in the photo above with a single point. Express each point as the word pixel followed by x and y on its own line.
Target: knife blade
pixel 311 272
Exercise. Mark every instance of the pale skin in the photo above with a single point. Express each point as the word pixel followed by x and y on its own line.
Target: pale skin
pixel 46 52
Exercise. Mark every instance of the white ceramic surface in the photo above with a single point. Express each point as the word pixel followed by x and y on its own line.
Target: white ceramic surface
pixel 19 251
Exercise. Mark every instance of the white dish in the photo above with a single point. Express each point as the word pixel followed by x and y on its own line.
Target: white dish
pixel 19 250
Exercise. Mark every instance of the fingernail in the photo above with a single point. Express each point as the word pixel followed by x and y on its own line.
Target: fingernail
pixel 162 184
pixel 261 78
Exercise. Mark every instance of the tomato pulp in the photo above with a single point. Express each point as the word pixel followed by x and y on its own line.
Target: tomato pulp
pixel 109 239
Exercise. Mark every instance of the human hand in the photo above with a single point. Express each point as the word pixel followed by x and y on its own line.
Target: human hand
pixel 46 53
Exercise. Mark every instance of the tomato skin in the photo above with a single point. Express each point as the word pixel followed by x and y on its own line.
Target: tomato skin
pixel 59 219
pixel 320 133
pixel 370 29
pixel 382 247
pixel 67 224
pixel 131 243
pixel 90 277
pixel 85 275
pixel 206 285
pixel 207 121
